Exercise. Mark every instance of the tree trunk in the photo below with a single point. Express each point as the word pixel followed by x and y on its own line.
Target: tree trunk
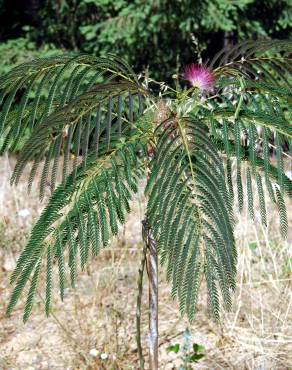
pixel 138 307
pixel 152 269
pixel 153 303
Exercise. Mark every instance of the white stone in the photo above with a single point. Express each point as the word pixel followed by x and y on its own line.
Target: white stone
pixel 93 352
pixel 23 213
pixel 103 356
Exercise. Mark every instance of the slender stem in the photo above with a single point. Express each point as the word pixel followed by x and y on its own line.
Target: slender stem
pixel 153 297
pixel 138 307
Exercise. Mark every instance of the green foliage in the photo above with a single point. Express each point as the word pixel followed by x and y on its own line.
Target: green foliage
pixel 112 131
pixel 189 352
pixel 101 194
pixel 190 210
pixel 173 348
pixel 16 51
pixel 160 34
pixel 45 94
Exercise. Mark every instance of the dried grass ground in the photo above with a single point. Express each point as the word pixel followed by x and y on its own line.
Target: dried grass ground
pixel 100 313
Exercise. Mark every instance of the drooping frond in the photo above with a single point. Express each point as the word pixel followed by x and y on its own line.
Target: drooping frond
pixel 61 106
pixel 250 126
pixel 80 218
pixel 250 120
pixel 79 127
pixel 268 60
pixel 190 213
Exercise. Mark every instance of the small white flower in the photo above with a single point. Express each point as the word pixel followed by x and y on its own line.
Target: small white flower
pixel 93 352
pixel 23 213
pixel 103 356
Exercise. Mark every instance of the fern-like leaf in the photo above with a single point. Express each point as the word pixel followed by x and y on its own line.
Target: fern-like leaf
pixel 81 215
pixel 190 212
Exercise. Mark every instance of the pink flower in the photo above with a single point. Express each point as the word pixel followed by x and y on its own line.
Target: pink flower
pixel 199 76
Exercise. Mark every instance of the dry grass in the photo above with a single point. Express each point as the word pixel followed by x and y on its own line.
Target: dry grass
pixel 100 313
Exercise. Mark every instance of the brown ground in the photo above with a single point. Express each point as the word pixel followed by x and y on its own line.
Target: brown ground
pixel 100 313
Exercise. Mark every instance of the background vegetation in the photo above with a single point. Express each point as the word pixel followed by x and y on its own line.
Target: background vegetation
pixel 159 35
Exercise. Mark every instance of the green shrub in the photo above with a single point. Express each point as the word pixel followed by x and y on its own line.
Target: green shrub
pixel 159 34
pixel 21 50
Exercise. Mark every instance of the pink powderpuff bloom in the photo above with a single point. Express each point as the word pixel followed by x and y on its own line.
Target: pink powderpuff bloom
pixel 199 76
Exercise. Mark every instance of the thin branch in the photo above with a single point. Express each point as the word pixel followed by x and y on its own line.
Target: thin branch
pixel 138 307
